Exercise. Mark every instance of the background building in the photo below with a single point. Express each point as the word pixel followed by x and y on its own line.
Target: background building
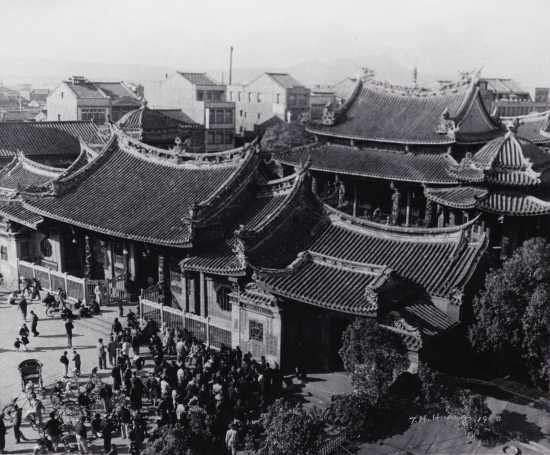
pixel 271 94
pixel 200 98
pixel 81 99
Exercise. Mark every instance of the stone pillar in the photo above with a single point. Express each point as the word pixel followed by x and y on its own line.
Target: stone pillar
pixel 428 213
pixel 132 261
pixel 408 209
pixel 161 271
pixel 396 197
pixel 355 199
pixel 452 218
pixel 314 184
pixel 341 189
pixel 125 259
pixel 202 294
pixel 88 258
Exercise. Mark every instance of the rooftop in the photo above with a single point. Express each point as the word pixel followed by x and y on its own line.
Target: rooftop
pixel 198 78
pixel 285 80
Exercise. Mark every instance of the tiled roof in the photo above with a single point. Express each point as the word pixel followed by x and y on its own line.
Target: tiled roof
pixel 513 203
pixel 47 138
pixel 438 259
pixel 22 173
pixel 285 80
pixel 198 78
pixel 507 160
pixel 460 197
pixel 427 317
pixel 142 193
pixel 533 127
pixel 262 214
pixel 117 90
pixel 86 90
pixel 373 162
pixel 14 211
pixel 327 282
pixel 384 113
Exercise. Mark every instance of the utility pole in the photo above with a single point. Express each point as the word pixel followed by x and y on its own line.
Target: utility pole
pixel 230 64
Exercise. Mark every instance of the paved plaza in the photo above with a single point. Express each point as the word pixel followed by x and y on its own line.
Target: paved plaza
pixel 48 348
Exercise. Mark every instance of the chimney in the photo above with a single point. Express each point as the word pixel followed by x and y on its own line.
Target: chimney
pixel 230 64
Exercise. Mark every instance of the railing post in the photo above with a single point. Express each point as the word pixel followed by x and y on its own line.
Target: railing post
pixel 207 325
pixel 66 284
pixel 50 284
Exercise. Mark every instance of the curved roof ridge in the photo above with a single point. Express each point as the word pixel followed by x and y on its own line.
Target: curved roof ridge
pixel 40 168
pixel 433 232
pixel 418 91
pixel 179 159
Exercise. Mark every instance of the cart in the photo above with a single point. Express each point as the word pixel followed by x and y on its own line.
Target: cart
pixel 31 371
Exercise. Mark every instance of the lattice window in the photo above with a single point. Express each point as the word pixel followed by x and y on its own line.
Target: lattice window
pixel 222 297
pixel 256 331
pixel 4 253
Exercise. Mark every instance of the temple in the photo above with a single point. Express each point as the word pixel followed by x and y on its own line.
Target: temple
pixel 221 245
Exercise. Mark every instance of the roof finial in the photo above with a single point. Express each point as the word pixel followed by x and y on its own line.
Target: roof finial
pixel 513 127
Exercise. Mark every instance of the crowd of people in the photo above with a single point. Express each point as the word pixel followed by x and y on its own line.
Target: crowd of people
pixel 221 392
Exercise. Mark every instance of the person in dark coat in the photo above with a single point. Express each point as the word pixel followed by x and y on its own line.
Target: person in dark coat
pixel 69 330
pixel 136 393
pixel 117 377
pixel 17 425
pixel 23 307
pixel 34 324
pixel 117 326
pixel 107 431
pixel 24 334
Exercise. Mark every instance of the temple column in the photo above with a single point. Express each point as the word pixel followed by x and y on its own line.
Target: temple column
pixel 465 216
pixel 202 294
pixel 125 260
pixel 88 259
pixel 408 209
pixel 452 218
pixel 396 196
pixel 314 184
pixel 132 261
pixel 355 199
pixel 440 216
pixel 428 213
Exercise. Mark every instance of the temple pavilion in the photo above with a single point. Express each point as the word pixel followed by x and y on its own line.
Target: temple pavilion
pixel 219 245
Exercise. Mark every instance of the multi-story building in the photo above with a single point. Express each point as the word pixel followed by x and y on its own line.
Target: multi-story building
pixel 203 100
pixel 81 99
pixel 269 95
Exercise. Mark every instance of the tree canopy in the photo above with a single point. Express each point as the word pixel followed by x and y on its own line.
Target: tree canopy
pixel 512 312
pixel 285 135
pixel 290 428
pixel 373 356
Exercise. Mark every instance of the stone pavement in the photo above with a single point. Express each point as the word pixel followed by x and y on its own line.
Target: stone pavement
pixel 48 348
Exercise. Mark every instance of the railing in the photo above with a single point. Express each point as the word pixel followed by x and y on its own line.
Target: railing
pixel 50 280
pixel 200 327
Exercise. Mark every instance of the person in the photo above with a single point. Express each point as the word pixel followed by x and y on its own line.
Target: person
pixel 96 425
pixel 80 432
pixel 18 434
pixel 101 355
pixel 97 294
pixel 24 334
pixel 106 393
pixel 65 361
pixel 23 307
pixel 17 344
pixel 125 420
pixel 36 288
pixel 61 296
pixel 36 408
pixel 77 363
pixel 117 327
pixel 69 329
pixel 34 324
pixel 12 298
pixel 52 429
pixel 107 430
pixel 111 350
pixel 117 378
pixel 231 439
pixel 49 299
pixel 2 434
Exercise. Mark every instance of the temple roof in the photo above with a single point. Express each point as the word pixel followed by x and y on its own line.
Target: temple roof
pixel 533 127
pixel 267 208
pixel 139 192
pixel 327 282
pixel 438 259
pixel 458 197
pixel 382 112
pixel 37 139
pixel 432 168
pixel 13 210
pixel 507 160
pixel 22 173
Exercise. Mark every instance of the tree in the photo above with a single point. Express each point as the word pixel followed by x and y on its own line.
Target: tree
pixel 292 429
pixel 283 136
pixel 373 356
pixel 170 440
pixel 512 312
pixel 439 394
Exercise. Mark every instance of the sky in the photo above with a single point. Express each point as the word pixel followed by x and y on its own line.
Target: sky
pixel 505 37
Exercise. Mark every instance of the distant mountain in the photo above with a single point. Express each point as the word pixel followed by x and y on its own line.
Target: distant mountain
pixel 47 73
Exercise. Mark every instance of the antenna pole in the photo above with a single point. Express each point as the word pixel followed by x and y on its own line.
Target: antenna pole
pixel 230 64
